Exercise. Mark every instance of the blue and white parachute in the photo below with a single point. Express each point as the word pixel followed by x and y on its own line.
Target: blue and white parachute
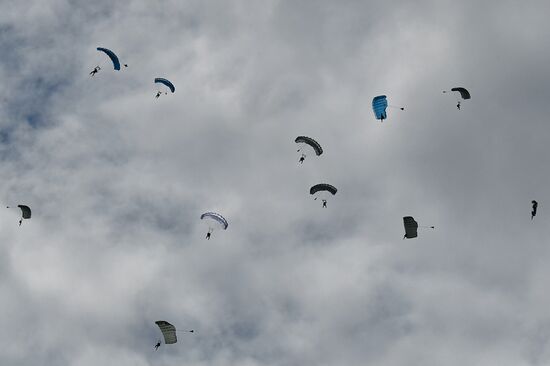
pixel 216 217
pixel 166 82
pixel 112 56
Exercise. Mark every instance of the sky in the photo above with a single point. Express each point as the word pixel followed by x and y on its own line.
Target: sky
pixel 117 181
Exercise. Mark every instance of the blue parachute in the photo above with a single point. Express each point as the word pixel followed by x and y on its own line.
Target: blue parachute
pixel 379 105
pixel 112 56
pixel 166 82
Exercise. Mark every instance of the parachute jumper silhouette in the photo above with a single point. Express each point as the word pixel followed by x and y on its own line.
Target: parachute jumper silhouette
pixel 464 94
pixel 25 213
pixel 214 220
pixel 169 331
pixel 411 227
pixel 309 142
pixel 320 188
pixel 379 106
pixel 166 82
pixel 534 209
pixel 112 56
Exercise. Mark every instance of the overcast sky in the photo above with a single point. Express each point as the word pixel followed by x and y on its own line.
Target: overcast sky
pixel 117 181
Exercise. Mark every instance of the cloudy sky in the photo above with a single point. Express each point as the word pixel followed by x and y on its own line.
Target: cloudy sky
pixel 117 181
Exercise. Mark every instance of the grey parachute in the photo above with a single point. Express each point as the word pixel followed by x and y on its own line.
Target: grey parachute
pixel 311 142
pixel 216 217
pixel 168 331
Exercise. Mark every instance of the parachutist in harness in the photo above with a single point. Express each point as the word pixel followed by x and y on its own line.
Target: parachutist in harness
pixel 534 210
pixel 20 221
pixel 302 158
pixel 95 70
pixel 158 94
pixel 324 203
pixel 157 345
pixel 458 105
pixel 208 234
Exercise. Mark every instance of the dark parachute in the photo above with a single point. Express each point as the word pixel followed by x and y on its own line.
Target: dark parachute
pixel 25 211
pixel 379 105
pixel 168 331
pixel 112 56
pixel 311 142
pixel 465 94
pixel 534 209
pixel 323 187
pixel 166 82
pixel 411 227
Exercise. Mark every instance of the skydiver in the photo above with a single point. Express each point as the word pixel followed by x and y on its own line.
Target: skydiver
pixel 208 234
pixel 20 221
pixel 302 158
pixel 324 203
pixel 534 210
pixel 158 94
pixel 95 70
pixel 157 345
pixel 458 105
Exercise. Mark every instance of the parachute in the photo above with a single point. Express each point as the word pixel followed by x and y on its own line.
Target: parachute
pixel 25 211
pixel 379 105
pixel 112 56
pixel 311 142
pixel 166 82
pixel 465 94
pixel 411 227
pixel 168 331
pixel 534 209
pixel 216 217
pixel 323 187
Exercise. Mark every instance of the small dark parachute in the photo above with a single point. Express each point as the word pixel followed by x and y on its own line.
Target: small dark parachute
pixel 323 187
pixel 168 331
pixel 465 94
pixel 534 208
pixel 311 142
pixel 166 82
pixel 112 56
pixel 25 211
pixel 411 227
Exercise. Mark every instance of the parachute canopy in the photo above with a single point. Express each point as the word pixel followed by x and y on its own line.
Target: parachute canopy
pixel 168 331
pixel 166 82
pixel 25 211
pixel 411 227
pixel 465 94
pixel 311 142
pixel 379 105
pixel 323 187
pixel 216 217
pixel 112 56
